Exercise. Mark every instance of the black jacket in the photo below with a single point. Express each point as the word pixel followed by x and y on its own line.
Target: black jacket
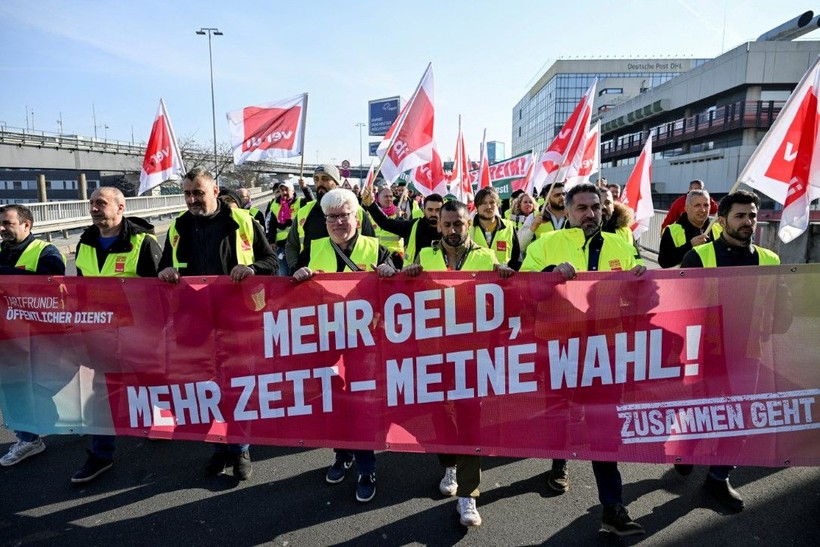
pixel 208 245
pixel 669 255
pixel 149 253
pixel 50 263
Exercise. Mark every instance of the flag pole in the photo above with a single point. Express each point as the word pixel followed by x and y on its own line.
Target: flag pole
pixel 304 130
pixel 400 122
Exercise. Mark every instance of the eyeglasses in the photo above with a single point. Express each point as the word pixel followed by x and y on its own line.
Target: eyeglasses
pixel 331 219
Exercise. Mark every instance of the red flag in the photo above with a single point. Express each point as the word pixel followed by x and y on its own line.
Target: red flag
pixel 162 157
pixel 786 164
pixel 559 160
pixel 637 194
pixel 590 162
pixel 409 141
pixel 271 130
pixel 368 182
pixel 484 165
pixel 460 185
pixel 430 179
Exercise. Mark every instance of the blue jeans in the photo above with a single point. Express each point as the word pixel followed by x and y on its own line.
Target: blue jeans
pixel 365 459
pixel 231 448
pixel 608 479
pixel 284 269
pixel 26 437
pixel 102 446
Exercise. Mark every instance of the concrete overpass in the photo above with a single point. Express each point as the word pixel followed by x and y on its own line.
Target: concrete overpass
pixel 21 149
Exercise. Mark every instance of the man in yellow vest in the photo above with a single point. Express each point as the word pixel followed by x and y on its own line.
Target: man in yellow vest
pixel 114 246
pixel 737 215
pixel 550 217
pixel 391 241
pixel 22 254
pixel 457 252
pixel 210 238
pixel 689 231
pixel 245 196
pixel 491 231
pixel 417 233
pixel 616 218
pixel 580 248
pixel 346 250
pixel 309 223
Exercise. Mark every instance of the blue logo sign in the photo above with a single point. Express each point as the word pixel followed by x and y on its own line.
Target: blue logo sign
pixel 381 115
pixel 372 148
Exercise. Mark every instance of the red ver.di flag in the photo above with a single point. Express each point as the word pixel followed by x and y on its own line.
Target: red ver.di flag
pixel 638 191
pixel 272 130
pixel 786 164
pixel 162 157
pixel 409 141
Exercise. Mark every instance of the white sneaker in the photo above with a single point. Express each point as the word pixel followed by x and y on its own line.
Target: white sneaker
pixel 448 485
pixel 21 450
pixel 468 512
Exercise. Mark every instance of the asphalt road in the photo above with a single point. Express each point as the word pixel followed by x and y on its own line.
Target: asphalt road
pixel 157 494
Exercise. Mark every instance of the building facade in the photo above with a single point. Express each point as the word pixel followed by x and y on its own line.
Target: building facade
pixel 705 123
pixel 541 113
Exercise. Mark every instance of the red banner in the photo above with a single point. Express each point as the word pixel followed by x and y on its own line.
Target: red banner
pixel 709 366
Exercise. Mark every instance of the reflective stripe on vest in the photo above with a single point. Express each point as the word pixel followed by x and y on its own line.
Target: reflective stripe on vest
pixel 679 234
pixel 244 239
pixel 115 265
pixel 502 241
pixel 389 240
pixel 323 257
pixel 479 259
pixel 30 257
pixel 707 255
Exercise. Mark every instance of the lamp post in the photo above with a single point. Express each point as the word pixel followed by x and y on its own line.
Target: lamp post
pixel 360 125
pixel 210 31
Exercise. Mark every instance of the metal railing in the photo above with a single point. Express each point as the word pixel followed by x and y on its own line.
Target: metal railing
pixel 650 240
pixel 60 216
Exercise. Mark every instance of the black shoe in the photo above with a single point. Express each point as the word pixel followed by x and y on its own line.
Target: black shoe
pixel 217 463
pixel 242 468
pixel 93 468
pixel 684 469
pixel 366 487
pixel 723 492
pixel 616 520
pixel 336 472
pixel 558 478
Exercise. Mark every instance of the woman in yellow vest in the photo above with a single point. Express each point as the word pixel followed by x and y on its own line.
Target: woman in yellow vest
pixel 392 242
pixel 345 250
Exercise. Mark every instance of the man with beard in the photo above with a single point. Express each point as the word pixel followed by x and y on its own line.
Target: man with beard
pixel 491 231
pixel 283 210
pixel 689 231
pixel 417 233
pixel 737 215
pixel 310 222
pixel 22 254
pixel 457 252
pixel 551 217
pixel 211 238
pixel 115 246
pixel 584 247
pixel 616 217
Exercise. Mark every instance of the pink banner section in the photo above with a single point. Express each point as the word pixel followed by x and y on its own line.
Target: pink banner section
pixel 701 366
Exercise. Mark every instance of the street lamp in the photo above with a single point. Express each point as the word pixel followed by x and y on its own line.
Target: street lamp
pixel 215 32
pixel 360 125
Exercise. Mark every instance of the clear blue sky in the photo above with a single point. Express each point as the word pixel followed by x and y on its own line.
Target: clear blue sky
pixel 121 57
